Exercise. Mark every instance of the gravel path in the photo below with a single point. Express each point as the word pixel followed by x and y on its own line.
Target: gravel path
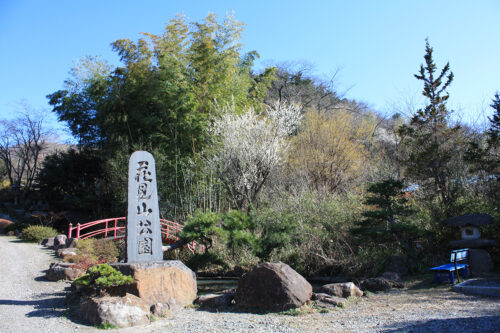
pixel 28 303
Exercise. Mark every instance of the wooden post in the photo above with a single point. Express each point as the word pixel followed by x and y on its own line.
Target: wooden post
pixel 106 231
pixel 78 230
pixel 70 230
pixel 114 234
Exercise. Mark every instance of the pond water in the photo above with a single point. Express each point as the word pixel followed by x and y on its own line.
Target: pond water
pixel 210 285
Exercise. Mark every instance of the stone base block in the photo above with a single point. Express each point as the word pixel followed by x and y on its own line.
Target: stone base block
pixel 480 261
pixel 169 282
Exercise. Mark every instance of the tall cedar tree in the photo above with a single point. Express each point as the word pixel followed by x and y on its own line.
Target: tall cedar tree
pixel 494 130
pixel 484 157
pixel 429 139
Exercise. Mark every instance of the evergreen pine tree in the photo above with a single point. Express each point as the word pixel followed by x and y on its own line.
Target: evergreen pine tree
pixel 430 140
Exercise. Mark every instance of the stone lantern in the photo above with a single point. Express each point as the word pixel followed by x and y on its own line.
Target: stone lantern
pixel 479 258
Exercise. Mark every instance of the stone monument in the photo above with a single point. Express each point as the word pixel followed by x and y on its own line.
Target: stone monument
pixel 143 218
pixel 157 282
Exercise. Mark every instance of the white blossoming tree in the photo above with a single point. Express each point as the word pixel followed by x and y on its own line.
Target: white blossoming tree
pixel 251 146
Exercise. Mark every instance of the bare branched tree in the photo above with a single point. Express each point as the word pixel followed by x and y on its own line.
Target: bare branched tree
pixel 21 143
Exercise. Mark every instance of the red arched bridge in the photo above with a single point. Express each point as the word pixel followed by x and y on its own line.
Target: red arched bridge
pixel 114 228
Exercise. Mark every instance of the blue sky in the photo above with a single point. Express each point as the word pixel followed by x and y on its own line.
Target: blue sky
pixel 376 45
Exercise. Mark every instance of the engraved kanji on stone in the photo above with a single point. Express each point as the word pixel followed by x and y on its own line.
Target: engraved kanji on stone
pixel 143 209
pixel 144 242
pixel 143 174
pixel 145 246
pixel 144 227
pixel 142 191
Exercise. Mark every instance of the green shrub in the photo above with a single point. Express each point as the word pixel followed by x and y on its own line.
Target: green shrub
pixel 98 249
pixel 237 229
pixel 91 251
pixel 276 231
pixel 37 233
pixel 201 227
pixel 206 260
pixel 101 276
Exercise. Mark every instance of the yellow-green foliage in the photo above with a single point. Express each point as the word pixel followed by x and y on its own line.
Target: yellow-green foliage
pixel 37 233
pixel 4 184
pixel 97 250
pixel 330 150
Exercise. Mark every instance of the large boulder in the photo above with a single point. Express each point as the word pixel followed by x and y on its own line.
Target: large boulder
pixel 272 287
pixel 347 289
pixel 169 282
pixel 60 242
pixel 379 284
pixel 119 311
pixel 63 271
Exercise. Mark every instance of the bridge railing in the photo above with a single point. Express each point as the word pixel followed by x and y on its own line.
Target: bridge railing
pixel 115 228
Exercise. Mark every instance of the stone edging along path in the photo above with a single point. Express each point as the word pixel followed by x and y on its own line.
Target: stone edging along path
pixel 29 303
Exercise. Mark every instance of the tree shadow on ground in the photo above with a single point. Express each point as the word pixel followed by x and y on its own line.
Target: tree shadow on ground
pixel 18 240
pixel 46 305
pixel 489 323
pixel 425 283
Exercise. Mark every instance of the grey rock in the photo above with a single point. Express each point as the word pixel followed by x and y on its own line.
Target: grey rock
pixel 347 289
pixel 379 284
pixel 63 271
pixel 60 242
pixel 215 300
pixel 324 300
pixel 48 242
pixel 160 309
pixel 65 252
pixel 121 312
pixel 272 287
